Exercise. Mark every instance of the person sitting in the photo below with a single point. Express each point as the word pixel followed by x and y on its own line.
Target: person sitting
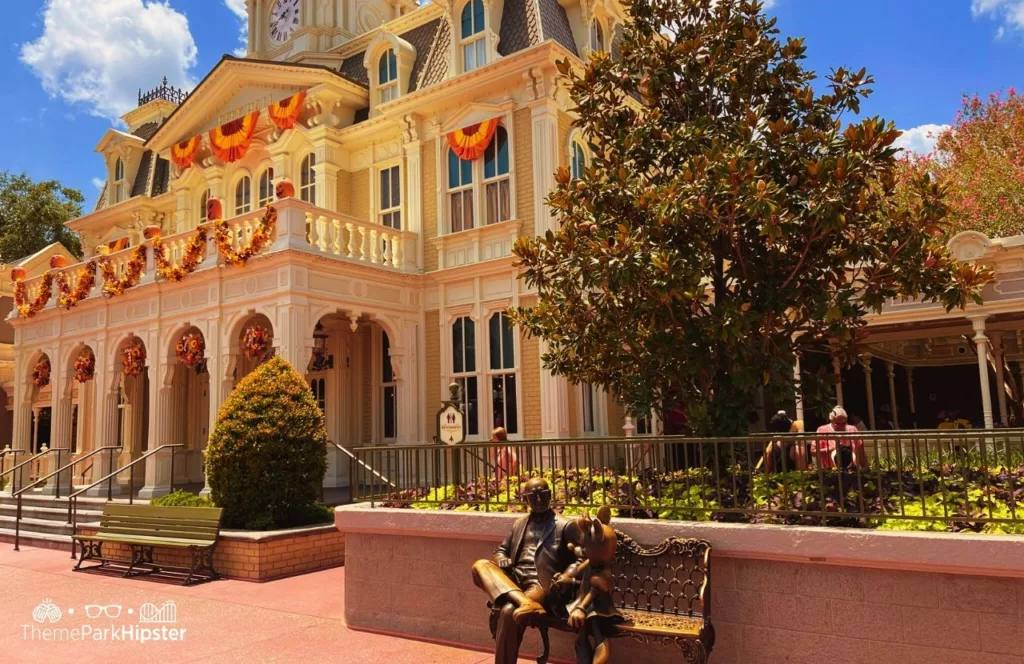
pixel 506 463
pixel 840 452
pixel 783 455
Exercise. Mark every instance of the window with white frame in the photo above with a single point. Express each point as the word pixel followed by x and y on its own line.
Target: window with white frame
pixel 243 196
pixel 390 197
pixel 578 163
pixel 502 373
pixel 389 389
pixel 464 371
pixel 588 401
pixel 460 192
pixel 319 388
pixel 596 36
pixel 497 183
pixel 204 214
pixel 266 188
pixel 472 36
pixel 120 184
pixel 387 77
pixel 307 179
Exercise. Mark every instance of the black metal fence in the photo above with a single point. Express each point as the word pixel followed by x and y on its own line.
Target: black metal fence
pixel 905 480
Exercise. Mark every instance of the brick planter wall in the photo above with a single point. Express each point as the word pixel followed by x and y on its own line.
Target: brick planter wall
pixel 259 556
pixel 794 595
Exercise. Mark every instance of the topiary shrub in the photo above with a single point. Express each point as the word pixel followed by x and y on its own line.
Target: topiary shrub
pixel 181 498
pixel 267 456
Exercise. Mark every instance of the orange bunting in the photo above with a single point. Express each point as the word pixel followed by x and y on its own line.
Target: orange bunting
pixel 231 140
pixel 285 112
pixel 184 153
pixel 470 142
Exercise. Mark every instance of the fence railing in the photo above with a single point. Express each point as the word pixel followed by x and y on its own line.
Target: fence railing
pixel 917 480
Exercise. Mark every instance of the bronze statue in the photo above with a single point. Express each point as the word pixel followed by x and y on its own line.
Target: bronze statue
pixel 534 563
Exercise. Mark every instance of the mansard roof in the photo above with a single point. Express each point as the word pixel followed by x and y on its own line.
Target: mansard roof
pixel 431 43
pixel 526 23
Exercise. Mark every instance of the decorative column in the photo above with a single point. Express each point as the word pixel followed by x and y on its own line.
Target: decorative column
pixel 997 357
pixel 60 425
pixel 837 370
pixel 23 390
pixel 161 417
pixel 890 371
pixel 910 393
pixel 981 341
pixel 292 336
pixel 326 167
pixel 869 389
pixel 105 417
pixel 414 191
pixel 798 391
pixel 554 390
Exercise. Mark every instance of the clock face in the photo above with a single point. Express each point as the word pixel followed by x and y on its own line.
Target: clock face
pixel 284 20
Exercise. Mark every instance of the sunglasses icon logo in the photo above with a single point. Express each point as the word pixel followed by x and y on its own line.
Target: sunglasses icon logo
pixel 95 611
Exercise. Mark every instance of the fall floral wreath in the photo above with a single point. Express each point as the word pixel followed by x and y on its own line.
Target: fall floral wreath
pixel 85 366
pixel 41 372
pixel 191 259
pixel 256 342
pixel 191 349
pixel 28 309
pixel 68 298
pixel 112 285
pixel 133 359
pixel 261 237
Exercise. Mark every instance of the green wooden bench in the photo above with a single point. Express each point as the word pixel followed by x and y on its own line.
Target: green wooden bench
pixel 144 527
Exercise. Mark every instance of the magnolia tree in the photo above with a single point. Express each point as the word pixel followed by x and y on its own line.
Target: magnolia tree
pixel 980 161
pixel 729 217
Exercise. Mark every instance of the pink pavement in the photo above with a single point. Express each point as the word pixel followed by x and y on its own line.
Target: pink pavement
pixel 299 619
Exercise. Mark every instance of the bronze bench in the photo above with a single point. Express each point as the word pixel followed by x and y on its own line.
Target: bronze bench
pixel 663 591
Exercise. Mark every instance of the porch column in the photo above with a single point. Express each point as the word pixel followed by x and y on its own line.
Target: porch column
pixel 23 389
pixel 890 370
pixel 910 393
pixel 837 370
pixel 292 336
pixel 403 361
pixel 869 389
pixel 981 341
pixel 326 169
pixel 161 416
pixel 60 426
pixel 799 389
pixel 997 357
pixel 218 358
pixel 105 417
pixel 414 191
pixel 554 390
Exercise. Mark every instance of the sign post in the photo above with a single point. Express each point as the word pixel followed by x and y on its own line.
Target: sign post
pixel 451 429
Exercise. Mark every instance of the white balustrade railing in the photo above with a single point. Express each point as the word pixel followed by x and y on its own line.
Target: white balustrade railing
pixel 353 239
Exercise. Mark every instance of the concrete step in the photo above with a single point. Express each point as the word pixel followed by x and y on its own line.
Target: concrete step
pixel 51 513
pixel 37 526
pixel 37 540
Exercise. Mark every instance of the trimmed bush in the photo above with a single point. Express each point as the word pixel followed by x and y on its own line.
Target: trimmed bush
pixel 181 498
pixel 267 456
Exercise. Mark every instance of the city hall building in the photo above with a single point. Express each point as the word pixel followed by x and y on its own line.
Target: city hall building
pixel 413 146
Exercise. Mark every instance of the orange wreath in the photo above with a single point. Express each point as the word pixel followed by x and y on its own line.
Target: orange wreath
pixel 184 153
pixel 285 112
pixel 470 142
pixel 231 140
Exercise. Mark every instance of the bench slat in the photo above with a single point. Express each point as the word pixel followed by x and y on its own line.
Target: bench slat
pixel 153 541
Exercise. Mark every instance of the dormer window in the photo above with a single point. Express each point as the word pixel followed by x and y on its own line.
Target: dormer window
pixel 387 76
pixel 472 40
pixel 120 184
pixel 596 36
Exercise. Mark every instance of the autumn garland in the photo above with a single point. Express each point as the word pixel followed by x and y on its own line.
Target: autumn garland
pixel 85 366
pixel 68 298
pixel 261 237
pixel 189 261
pixel 29 309
pixel 112 285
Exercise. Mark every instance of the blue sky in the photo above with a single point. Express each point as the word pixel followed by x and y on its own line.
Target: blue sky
pixel 70 66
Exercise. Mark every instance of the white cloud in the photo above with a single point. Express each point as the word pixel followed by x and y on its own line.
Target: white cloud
pixel 99 54
pixel 920 139
pixel 237 8
pixel 1010 13
pixel 99 183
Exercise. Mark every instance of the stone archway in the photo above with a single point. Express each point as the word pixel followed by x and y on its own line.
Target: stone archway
pixel 188 384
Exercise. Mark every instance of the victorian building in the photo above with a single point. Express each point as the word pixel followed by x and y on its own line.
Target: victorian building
pixel 418 142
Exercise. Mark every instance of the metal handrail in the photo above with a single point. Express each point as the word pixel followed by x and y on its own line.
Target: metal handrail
pixel 355 459
pixel 109 479
pixel 23 464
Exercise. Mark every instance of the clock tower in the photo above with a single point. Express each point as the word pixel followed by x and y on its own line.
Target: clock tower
pixel 307 30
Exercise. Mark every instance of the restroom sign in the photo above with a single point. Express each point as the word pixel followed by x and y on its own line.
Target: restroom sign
pixel 451 425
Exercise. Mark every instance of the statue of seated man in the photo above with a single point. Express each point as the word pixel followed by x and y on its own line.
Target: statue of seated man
pixel 534 560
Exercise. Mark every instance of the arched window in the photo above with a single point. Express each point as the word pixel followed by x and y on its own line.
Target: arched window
pixel 120 184
pixel 266 188
pixel 464 370
pixel 579 160
pixel 387 77
pixel 474 45
pixel 496 178
pixel 204 215
pixel 307 180
pixel 502 373
pixel 389 389
pixel 243 196
pixel 596 36
pixel 460 192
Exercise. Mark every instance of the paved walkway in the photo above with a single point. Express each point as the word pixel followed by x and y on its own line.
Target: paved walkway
pixel 300 619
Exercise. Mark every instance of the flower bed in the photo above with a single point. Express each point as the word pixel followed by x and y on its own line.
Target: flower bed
pixel 932 498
